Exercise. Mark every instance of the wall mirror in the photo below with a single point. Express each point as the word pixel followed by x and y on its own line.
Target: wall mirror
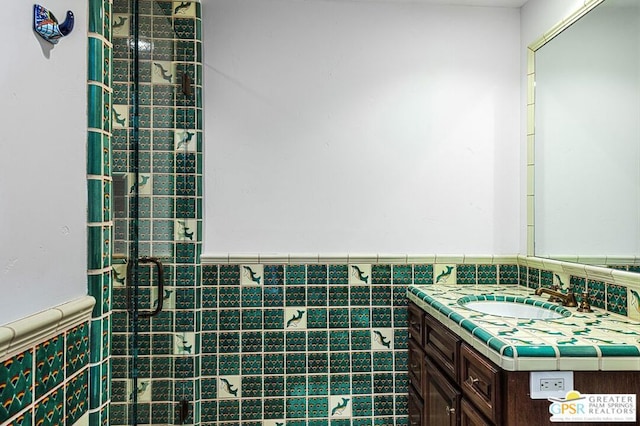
pixel 584 138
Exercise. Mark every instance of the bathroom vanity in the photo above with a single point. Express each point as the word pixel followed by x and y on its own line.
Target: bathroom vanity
pixel 470 368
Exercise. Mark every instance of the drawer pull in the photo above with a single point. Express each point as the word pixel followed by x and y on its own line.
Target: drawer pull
pixel 473 380
pixel 449 410
pixel 414 366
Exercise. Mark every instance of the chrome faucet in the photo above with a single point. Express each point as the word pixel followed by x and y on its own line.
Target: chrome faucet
pixel 568 300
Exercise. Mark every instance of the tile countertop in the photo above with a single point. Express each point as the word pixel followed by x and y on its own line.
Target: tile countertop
pixel 580 341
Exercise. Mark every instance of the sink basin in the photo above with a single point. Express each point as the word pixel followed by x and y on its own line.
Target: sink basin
pixel 514 307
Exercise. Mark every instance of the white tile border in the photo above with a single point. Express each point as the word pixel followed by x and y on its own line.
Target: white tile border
pixel 27 332
pixel 357 258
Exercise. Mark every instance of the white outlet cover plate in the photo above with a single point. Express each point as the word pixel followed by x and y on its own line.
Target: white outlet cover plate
pixel 534 384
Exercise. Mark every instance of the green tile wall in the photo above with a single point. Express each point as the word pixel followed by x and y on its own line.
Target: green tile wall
pixel 311 344
pixel 47 384
pixel 600 294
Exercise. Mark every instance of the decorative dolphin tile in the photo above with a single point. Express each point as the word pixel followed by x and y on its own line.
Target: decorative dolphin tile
pixel 340 406
pixel 163 72
pixel 230 387
pixel 143 185
pixel 184 9
pixel 120 116
pixel 47 26
pixel 633 302
pixel 119 274
pixel 295 318
pixel 169 299
pixel 561 279
pixel 183 343
pixel 360 274
pixel 185 140
pixel 120 24
pixel 382 339
pixel 143 390
pixel 251 274
pixel 185 229
pixel 444 274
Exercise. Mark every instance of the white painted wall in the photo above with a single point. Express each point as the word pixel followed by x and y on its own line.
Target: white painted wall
pixel 361 127
pixel 42 162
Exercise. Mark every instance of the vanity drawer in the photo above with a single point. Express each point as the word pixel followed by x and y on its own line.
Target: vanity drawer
pixel 415 321
pixel 442 346
pixel 480 381
pixel 416 367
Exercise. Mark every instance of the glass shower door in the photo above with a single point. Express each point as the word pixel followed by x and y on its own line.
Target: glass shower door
pixel 153 144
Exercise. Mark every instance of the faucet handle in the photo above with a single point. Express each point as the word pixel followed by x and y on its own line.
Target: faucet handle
pixel 584 303
pixel 553 298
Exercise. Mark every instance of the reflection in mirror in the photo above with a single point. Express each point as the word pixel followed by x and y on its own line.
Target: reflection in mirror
pixel 586 104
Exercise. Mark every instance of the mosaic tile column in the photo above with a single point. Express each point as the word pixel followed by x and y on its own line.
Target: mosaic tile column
pixel 169 186
pixel 99 228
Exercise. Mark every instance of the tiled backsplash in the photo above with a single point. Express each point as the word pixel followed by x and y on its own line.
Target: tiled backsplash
pixel 304 344
pixel 275 343
pixel 616 290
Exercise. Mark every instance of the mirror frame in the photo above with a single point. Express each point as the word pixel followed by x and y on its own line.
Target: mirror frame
pixel 531 73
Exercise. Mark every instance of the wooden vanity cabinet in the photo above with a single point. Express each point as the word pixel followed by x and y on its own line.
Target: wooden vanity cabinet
pixel 434 363
pixel 453 384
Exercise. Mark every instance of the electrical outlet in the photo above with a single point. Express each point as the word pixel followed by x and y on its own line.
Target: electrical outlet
pixel 550 384
pixel 555 384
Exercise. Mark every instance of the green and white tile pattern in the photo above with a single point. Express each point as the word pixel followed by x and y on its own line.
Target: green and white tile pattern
pixel 47 384
pixel 95 383
pixel 169 185
pixel 599 340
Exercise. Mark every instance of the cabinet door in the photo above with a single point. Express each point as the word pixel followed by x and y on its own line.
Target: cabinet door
pixel 469 416
pixel 441 399
pixel 442 346
pixel 415 407
pixel 416 367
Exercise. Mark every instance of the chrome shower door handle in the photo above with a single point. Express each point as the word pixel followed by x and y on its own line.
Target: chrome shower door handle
pixel 160 268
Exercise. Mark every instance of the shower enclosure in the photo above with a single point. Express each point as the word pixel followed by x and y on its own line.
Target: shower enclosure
pixel 156 144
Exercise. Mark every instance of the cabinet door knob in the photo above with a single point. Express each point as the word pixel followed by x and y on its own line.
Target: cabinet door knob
pixel 473 380
pixel 449 410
